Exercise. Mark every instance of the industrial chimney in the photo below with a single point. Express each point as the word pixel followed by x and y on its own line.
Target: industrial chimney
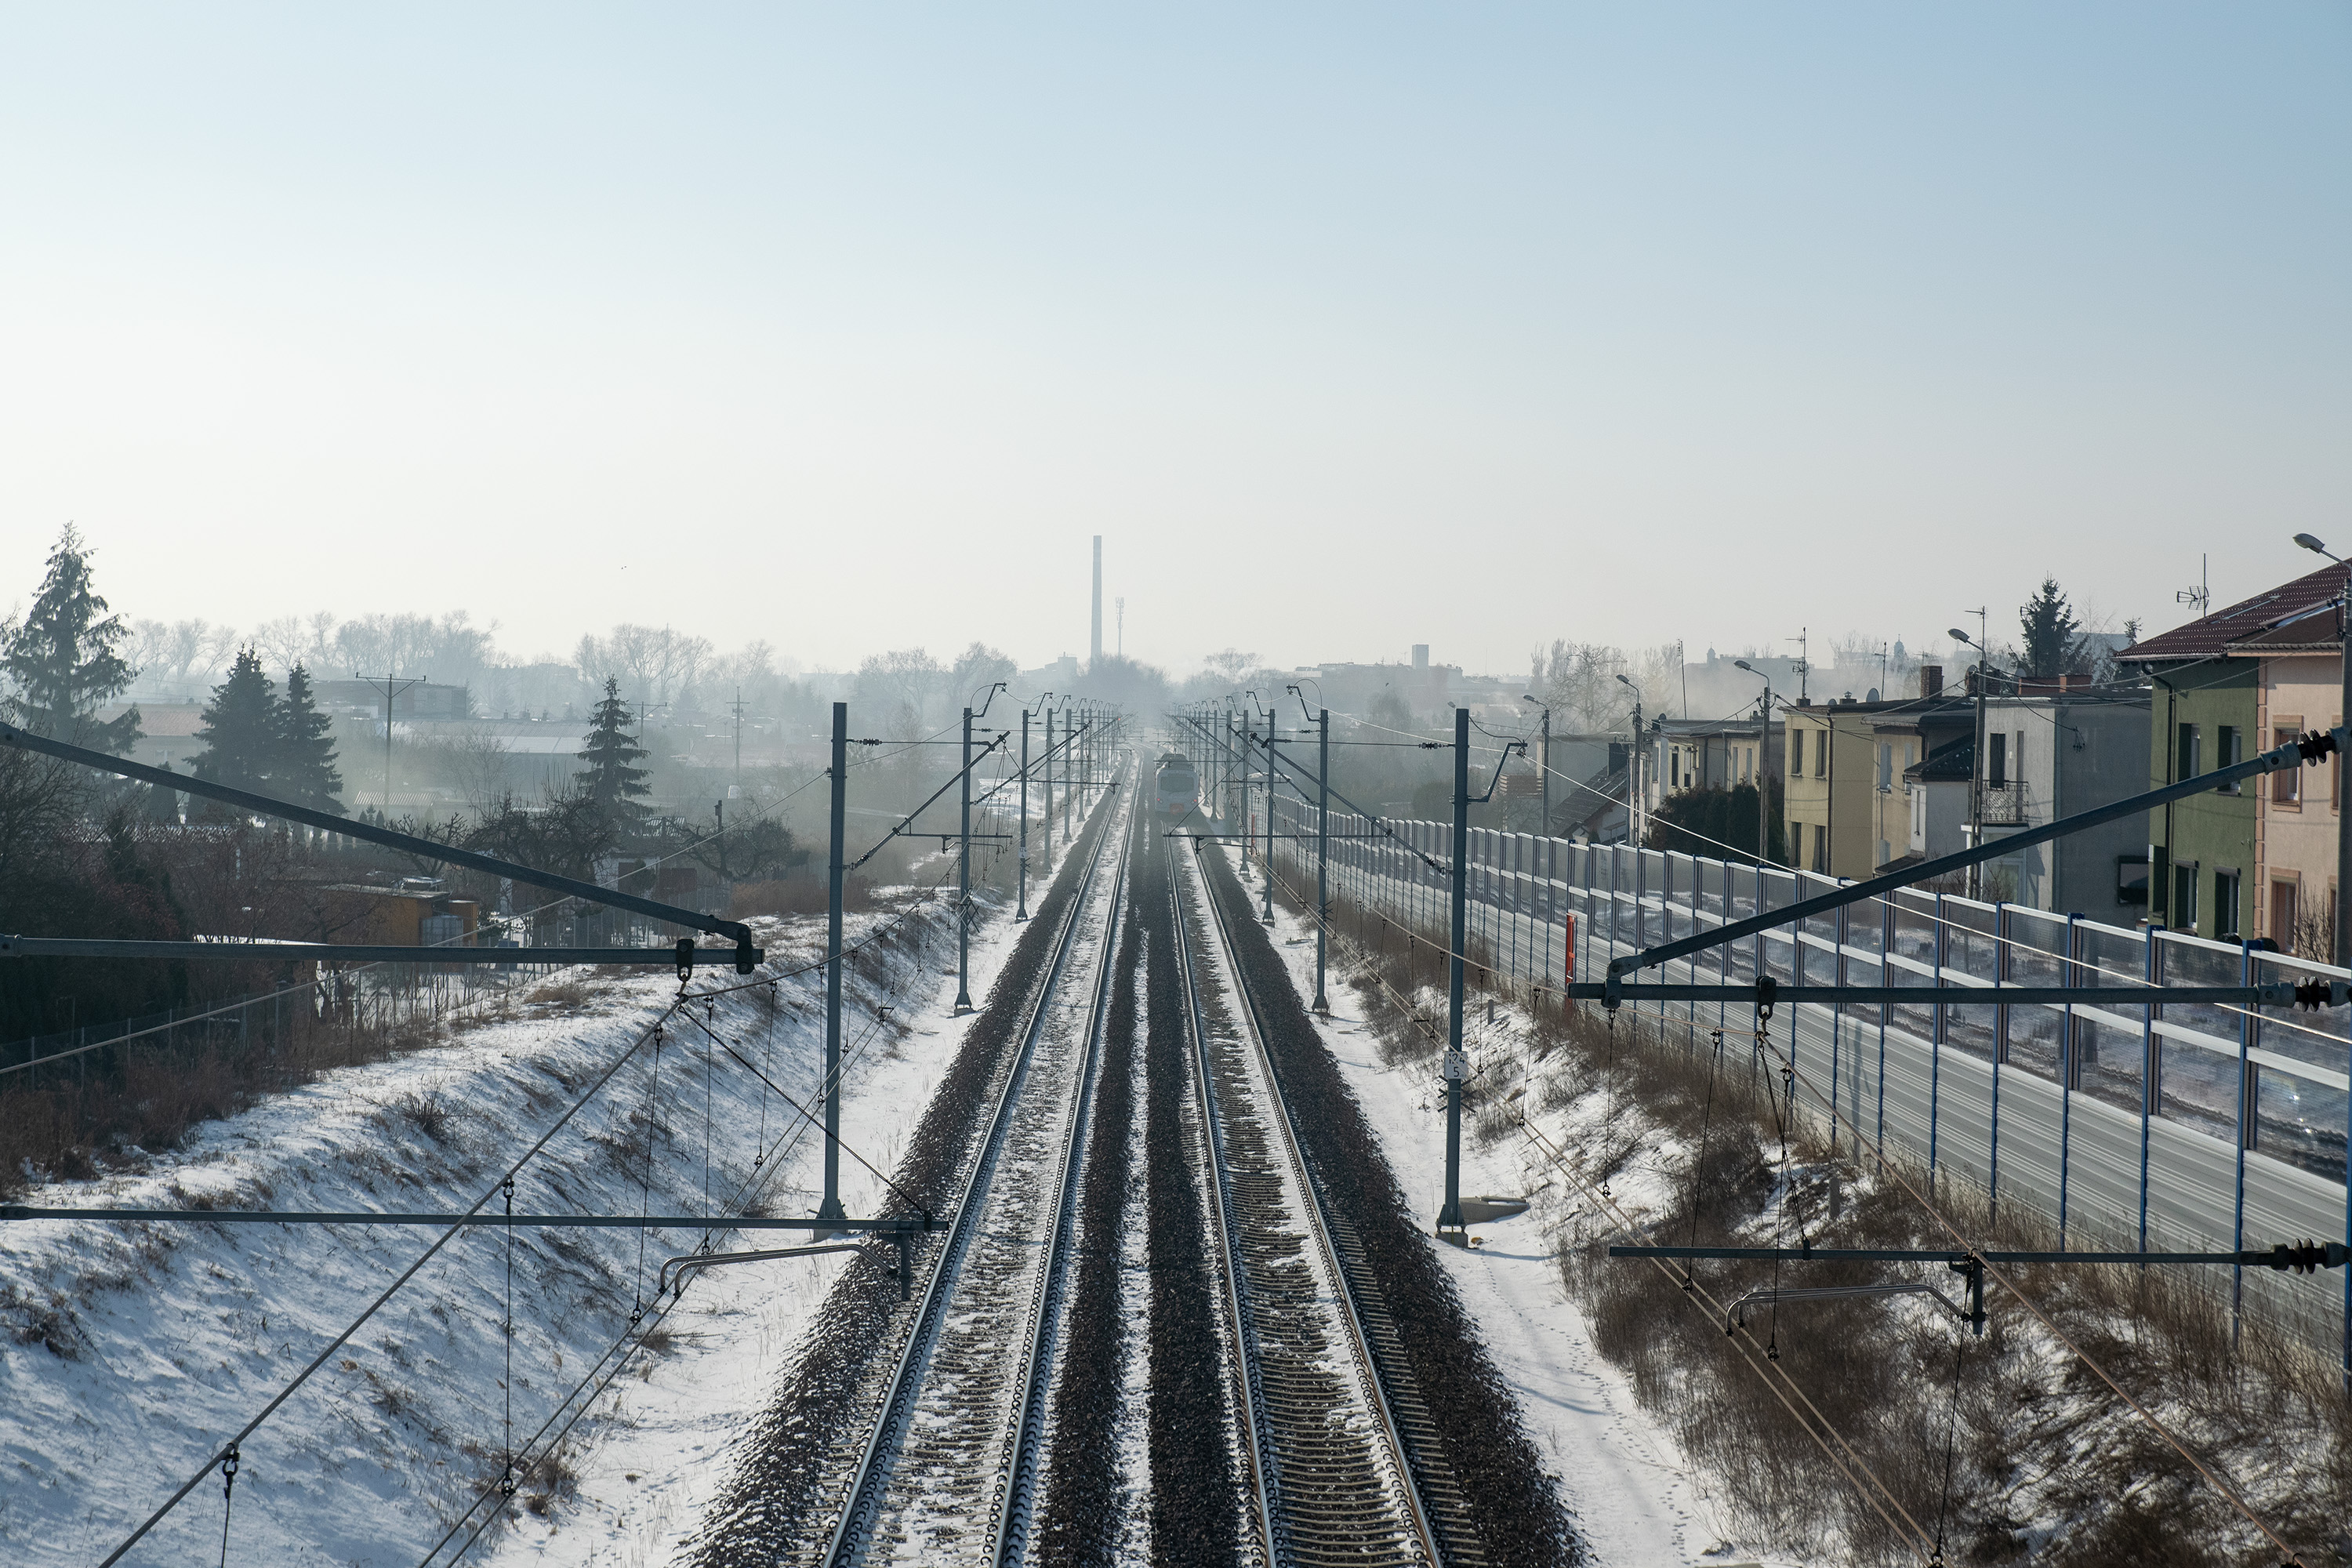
pixel 1094 645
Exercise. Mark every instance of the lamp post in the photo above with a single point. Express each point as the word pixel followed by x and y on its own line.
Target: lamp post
pixel 1763 752
pixel 1633 797
pixel 1975 762
pixel 1543 769
pixel 2344 716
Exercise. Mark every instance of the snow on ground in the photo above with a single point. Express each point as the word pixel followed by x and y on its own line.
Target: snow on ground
pixel 167 1339
pixel 664 1457
pixel 1622 1475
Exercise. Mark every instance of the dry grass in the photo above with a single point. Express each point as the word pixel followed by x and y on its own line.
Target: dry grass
pixel 2048 1466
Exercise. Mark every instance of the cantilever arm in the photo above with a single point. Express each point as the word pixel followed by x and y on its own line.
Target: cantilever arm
pixel 2311 748
pixel 408 843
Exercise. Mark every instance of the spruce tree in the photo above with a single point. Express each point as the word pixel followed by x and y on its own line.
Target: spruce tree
pixel 62 657
pixel 305 769
pixel 611 780
pixel 241 732
pixel 2051 646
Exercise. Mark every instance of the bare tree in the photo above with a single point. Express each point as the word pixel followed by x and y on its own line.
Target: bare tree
pixel 1232 664
pixel 475 762
pixel 282 642
pixel 901 683
pixel 977 667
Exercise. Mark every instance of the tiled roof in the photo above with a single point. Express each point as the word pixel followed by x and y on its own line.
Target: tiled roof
pixel 2252 625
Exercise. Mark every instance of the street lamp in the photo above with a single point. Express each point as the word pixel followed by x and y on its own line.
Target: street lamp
pixel 1763 751
pixel 2343 943
pixel 1544 770
pixel 1633 797
pixel 1976 762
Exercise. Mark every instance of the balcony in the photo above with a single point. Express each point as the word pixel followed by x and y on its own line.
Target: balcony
pixel 2008 805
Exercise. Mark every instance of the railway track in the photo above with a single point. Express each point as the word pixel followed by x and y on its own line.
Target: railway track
pixel 1328 1452
pixel 950 1471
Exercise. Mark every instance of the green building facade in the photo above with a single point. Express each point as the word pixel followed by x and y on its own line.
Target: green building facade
pixel 2201 848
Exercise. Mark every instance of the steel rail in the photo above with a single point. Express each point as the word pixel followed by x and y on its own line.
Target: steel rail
pixel 853 1530
pixel 407 843
pixel 1423 1531
pixel 1257 1420
pixel 1015 1502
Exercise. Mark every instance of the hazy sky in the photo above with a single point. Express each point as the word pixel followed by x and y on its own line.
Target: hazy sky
pixel 1348 327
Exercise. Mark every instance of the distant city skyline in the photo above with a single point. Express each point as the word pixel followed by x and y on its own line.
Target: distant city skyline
pixel 1347 328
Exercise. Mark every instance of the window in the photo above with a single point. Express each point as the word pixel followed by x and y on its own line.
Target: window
pixel 1822 756
pixel 2286 784
pixel 1885 770
pixel 2131 879
pixel 2228 747
pixel 1820 849
pixel 2184 898
pixel 1674 767
pixel 2225 904
pixel 1795 751
pixel 2284 895
pixel 2186 767
pixel 1997 764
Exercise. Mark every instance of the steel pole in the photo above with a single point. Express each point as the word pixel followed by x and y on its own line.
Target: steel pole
pixel 1049 780
pixel 1977 782
pixel 1449 1219
pixel 1322 854
pixel 1270 819
pixel 963 880
pixel 831 1207
pixel 1023 912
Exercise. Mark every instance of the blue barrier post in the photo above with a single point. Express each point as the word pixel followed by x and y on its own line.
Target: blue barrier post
pixel 2066 1070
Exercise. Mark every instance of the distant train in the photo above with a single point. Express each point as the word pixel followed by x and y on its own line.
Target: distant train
pixel 1175 786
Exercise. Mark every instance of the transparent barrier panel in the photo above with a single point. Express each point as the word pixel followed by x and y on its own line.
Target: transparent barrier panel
pixel 2316 1037
pixel 2035 1031
pixel 2109 1062
pixel 2111 958
pixel 2302 1123
pixel 2194 964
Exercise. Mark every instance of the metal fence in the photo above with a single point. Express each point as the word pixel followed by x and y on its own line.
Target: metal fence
pixel 2192 1125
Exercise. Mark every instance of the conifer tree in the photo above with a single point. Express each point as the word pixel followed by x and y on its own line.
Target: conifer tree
pixel 62 659
pixel 611 780
pixel 241 732
pixel 305 769
pixel 2052 645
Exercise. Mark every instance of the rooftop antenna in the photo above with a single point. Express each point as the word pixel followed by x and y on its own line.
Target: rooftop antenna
pixel 2201 595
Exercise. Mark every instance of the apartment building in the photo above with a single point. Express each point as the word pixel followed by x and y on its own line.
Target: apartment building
pixel 2056 749
pixel 1710 754
pixel 1850 803
pixel 2256 860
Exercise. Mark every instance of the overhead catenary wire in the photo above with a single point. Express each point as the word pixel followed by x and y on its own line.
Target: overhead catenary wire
pixel 374 1306
pixel 1791 1077
pixel 1689 1283
pixel 1894 1172
pixel 633 1335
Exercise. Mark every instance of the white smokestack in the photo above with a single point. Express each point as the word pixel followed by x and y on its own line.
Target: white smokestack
pixel 1094 645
